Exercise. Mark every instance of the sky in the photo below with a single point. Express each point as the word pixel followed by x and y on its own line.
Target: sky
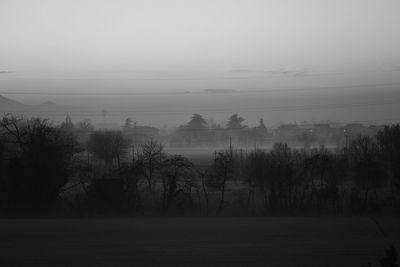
pixel 104 46
pixel 71 37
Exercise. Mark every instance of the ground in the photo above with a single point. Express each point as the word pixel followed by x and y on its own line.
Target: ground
pixel 228 241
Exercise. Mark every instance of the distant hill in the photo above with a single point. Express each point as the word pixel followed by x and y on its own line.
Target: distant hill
pixel 7 103
pixel 13 106
pixel 47 109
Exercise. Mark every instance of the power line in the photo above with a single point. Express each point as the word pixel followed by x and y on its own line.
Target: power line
pixel 138 78
pixel 302 125
pixel 236 110
pixel 205 91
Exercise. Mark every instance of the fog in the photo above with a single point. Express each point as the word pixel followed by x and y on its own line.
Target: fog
pixel 160 61
pixel 369 103
pixel 199 132
pixel 70 36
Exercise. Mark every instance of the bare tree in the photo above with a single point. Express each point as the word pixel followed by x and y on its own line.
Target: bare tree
pixel 365 163
pixel 174 169
pixel 39 159
pixel 108 146
pixel 84 126
pixel 12 130
pixel 389 145
pixel 222 172
pixel 150 156
pixel 255 170
pixel 204 177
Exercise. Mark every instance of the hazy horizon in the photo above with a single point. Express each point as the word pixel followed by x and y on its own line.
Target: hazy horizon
pixel 106 54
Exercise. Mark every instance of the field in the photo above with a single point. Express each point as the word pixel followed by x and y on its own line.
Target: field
pixel 227 241
pixel 204 156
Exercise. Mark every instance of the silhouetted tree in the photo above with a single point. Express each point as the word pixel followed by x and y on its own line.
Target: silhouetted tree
pixel 389 144
pixel 255 170
pixel 195 132
pixel 84 127
pixel 235 128
pixel 108 146
pixel 2 169
pixel 174 169
pixel 222 172
pixel 204 174
pixel 235 122
pixel 151 156
pixel 325 173
pixel 280 174
pixel 128 124
pixel 39 157
pixel 67 124
pixel 364 160
pixel 197 122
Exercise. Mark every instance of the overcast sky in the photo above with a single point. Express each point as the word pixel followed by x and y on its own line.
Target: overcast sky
pixel 158 36
pixel 162 46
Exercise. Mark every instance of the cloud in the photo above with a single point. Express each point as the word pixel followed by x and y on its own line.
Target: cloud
pixel 301 72
pixel 243 71
pixel 219 91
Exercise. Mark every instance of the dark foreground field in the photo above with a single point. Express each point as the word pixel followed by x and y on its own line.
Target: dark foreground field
pixel 276 241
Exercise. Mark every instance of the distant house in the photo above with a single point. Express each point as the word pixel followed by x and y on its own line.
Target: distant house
pixel 287 132
pixel 262 129
pixel 326 134
pixel 107 126
pixel 288 129
pixel 323 129
pixel 352 129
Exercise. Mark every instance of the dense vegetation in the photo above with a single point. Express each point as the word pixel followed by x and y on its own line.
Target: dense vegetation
pixel 73 170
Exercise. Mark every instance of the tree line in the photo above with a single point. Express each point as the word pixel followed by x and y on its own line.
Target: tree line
pixel 198 132
pixel 47 170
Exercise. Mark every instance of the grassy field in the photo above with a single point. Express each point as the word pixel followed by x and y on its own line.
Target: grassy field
pixel 228 241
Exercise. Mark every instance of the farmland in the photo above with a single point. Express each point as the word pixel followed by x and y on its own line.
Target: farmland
pixel 224 241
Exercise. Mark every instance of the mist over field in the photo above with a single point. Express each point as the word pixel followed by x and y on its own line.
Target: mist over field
pixel 368 103
pixel 199 133
pixel 188 57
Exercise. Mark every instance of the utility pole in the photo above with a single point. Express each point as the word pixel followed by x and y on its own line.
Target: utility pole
pixel 104 113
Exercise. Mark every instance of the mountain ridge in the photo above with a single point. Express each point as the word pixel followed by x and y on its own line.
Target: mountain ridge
pixel 5 101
